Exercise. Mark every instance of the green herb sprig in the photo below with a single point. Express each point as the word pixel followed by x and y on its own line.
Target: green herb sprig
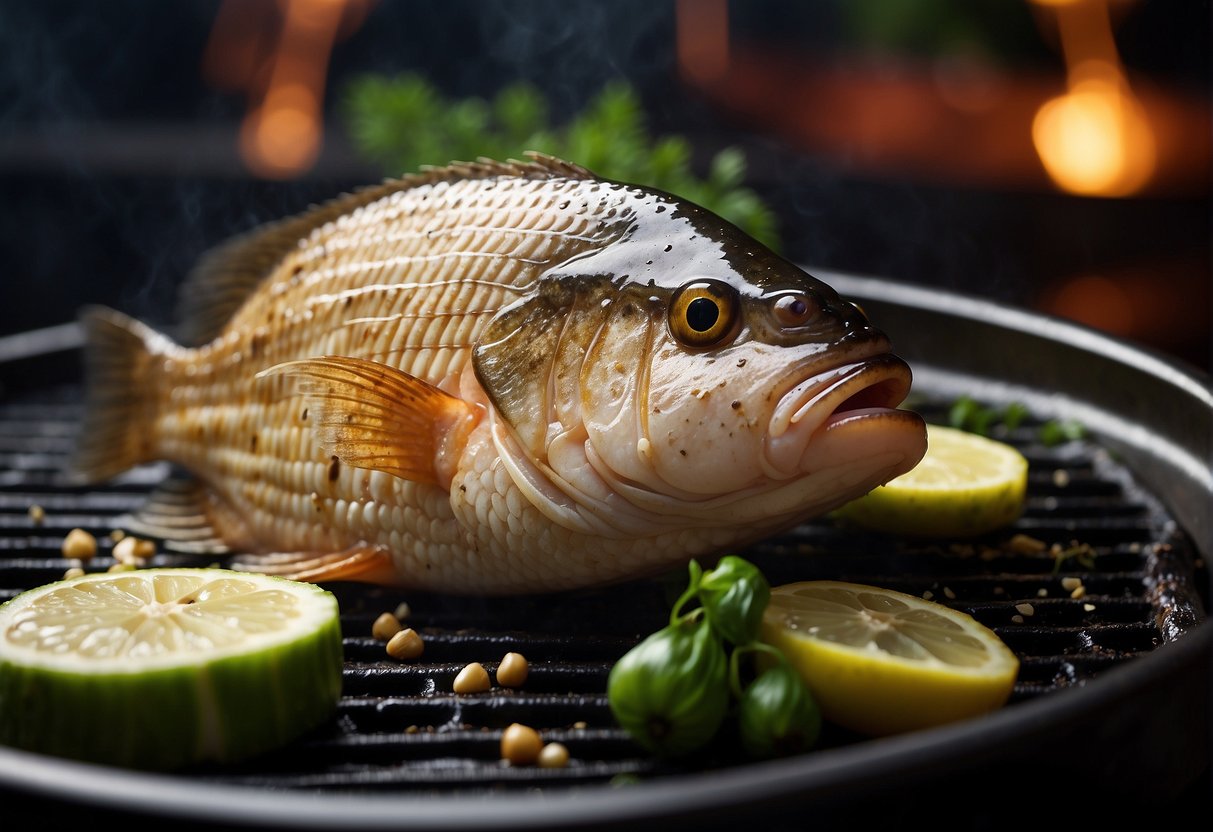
pixel 402 123
pixel 672 692
pixel 968 415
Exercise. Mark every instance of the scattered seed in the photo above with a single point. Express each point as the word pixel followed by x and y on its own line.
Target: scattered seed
pixel 403 611
pixel 1079 592
pixel 1071 583
pixel 512 671
pixel 949 594
pixel 386 626
pixel 79 545
pixel 473 679
pixel 37 514
pixel 117 534
pixel 520 744
pixel 134 551
pixel 1089 607
pixel 928 595
pixel 553 755
pixel 1026 609
pixel 405 645
pixel 1061 478
pixel 580 725
pixel 1026 545
pixel 74 572
pixel 1018 619
pixel 1042 593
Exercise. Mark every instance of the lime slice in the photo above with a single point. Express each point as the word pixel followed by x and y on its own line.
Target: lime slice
pixel 881 662
pixel 965 485
pixel 159 668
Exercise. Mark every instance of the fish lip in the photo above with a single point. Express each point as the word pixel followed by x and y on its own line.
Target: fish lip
pixel 835 386
pixel 856 390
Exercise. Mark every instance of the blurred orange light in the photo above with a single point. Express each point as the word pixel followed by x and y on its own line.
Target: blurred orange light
pixel 1095 139
pixel 1097 302
pixel 283 73
pixel 702 39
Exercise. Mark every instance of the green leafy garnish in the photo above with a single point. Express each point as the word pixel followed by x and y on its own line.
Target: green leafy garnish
pixel 1081 553
pixel 670 692
pixel 1055 432
pixel 403 123
pixel 968 415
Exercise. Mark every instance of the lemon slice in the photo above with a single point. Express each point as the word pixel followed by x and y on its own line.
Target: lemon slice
pixel 881 662
pixel 159 668
pixel 965 485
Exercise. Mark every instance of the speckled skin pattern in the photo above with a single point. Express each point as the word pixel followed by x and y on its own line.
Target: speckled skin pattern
pixel 600 448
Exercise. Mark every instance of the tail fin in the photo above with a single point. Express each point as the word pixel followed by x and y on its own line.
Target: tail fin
pixel 120 395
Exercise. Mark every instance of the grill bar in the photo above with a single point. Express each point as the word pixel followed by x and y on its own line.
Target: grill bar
pixel 399 728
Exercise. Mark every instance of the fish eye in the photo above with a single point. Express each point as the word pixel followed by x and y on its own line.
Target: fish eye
pixel 793 309
pixel 704 313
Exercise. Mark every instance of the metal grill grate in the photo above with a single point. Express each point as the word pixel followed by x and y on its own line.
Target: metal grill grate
pixel 399 728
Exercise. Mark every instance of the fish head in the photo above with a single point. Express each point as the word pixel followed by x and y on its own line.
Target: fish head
pixel 691 367
pixel 728 388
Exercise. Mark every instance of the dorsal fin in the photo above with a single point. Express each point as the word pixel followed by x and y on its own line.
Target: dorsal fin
pixel 225 277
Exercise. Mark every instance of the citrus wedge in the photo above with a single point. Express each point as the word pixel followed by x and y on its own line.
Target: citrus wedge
pixel 881 662
pixel 965 485
pixel 159 668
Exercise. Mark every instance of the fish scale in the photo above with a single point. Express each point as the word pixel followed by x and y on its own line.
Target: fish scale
pixel 403 385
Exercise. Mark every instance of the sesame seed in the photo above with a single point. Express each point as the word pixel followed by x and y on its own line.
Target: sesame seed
pixel 949 594
pixel 1079 592
pixel 928 595
pixel 1089 607
pixel 1042 593
pixel 1070 583
pixel 1026 609
pixel 1018 619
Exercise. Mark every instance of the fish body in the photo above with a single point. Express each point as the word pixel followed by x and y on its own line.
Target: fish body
pixel 499 378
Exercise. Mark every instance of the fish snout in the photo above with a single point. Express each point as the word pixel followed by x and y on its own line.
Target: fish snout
pixel 848 412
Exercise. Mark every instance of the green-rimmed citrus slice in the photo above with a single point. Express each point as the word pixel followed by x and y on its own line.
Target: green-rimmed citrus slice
pixel 965 485
pixel 883 662
pixel 160 668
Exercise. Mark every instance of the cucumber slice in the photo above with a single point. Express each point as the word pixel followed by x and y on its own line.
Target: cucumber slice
pixel 161 668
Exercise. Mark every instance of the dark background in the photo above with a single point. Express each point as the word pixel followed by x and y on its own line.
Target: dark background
pixel 119 166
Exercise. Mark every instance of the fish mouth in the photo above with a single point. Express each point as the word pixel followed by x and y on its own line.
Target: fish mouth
pixel 843 398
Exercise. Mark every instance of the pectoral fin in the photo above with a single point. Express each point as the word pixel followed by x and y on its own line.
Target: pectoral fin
pixel 370 415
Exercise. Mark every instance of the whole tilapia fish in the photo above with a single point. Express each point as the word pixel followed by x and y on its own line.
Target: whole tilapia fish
pixel 499 378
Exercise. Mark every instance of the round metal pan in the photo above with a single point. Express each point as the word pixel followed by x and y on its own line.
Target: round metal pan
pixel 1136 737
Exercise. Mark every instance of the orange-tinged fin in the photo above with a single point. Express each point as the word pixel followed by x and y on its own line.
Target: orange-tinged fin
pixel 120 355
pixel 370 415
pixel 366 564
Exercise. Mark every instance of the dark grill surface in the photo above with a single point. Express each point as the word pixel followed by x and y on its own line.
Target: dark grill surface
pixel 399 728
